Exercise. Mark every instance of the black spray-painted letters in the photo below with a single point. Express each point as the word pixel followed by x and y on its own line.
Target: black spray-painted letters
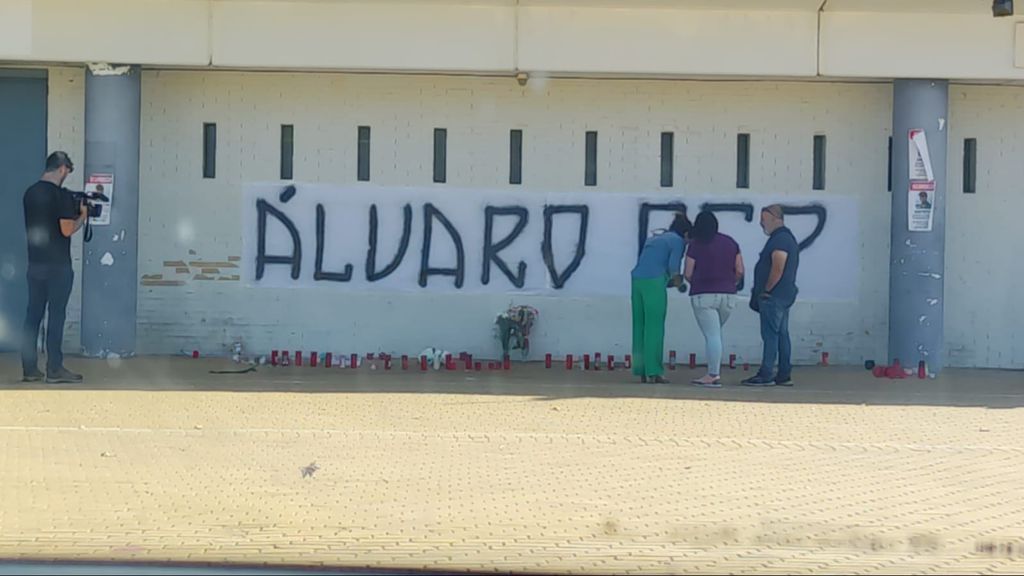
pixel 575 216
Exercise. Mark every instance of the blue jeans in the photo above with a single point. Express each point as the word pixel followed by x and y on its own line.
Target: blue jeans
pixel 775 334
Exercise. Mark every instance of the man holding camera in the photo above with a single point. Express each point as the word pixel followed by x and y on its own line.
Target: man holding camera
pixel 52 216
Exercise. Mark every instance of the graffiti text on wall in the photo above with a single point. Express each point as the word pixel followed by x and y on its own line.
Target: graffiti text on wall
pixel 494 242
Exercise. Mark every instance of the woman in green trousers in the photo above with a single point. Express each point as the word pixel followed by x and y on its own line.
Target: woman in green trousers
pixel 658 266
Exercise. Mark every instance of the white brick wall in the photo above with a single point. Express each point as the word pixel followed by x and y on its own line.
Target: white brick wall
pixel 181 212
pixel 984 320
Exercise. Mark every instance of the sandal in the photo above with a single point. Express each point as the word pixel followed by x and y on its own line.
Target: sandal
pixel 709 382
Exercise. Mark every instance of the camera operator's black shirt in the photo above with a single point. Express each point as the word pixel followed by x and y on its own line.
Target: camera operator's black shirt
pixel 48 250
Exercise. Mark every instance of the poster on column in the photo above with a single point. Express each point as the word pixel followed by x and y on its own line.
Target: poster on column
pixel 472 241
pixel 920 160
pixel 920 206
pixel 101 184
pixel 921 193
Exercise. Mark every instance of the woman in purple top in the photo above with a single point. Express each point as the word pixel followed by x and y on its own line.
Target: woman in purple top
pixel 714 268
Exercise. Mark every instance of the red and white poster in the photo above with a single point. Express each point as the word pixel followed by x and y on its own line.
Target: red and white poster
pixel 921 193
pixel 101 184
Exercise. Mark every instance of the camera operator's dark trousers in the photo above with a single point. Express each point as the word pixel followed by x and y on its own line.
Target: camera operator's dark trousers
pixel 51 289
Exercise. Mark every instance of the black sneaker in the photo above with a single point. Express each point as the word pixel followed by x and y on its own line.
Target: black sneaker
pixel 659 380
pixel 33 376
pixel 783 380
pixel 63 376
pixel 759 381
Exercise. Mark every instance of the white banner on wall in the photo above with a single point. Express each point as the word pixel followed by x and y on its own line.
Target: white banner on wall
pixel 501 242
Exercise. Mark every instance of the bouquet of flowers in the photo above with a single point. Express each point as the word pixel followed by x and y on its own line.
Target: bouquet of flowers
pixel 513 328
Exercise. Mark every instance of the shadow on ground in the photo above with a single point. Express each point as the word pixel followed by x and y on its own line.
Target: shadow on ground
pixel 814 385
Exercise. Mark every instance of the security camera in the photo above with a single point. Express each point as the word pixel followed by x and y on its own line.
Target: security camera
pixel 522 78
pixel 1002 8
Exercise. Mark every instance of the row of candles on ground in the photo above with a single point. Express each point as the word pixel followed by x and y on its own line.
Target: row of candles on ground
pixel 283 358
pixel 450 362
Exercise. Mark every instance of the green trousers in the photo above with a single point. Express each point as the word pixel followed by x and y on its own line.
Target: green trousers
pixel 650 303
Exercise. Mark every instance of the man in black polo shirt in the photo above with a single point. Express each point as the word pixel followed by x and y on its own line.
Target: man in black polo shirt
pixel 773 295
pixel 51 217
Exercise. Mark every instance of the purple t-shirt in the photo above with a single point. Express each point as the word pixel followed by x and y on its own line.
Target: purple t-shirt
pixel 714 270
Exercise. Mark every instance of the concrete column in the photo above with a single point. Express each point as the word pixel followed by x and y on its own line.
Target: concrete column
pixel 110 259
pixel 917 265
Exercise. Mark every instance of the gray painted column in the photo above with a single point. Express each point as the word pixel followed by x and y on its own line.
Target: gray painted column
pixel 917 265
pixel 110 259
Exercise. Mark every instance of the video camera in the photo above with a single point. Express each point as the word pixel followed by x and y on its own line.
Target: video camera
pixel 90 199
